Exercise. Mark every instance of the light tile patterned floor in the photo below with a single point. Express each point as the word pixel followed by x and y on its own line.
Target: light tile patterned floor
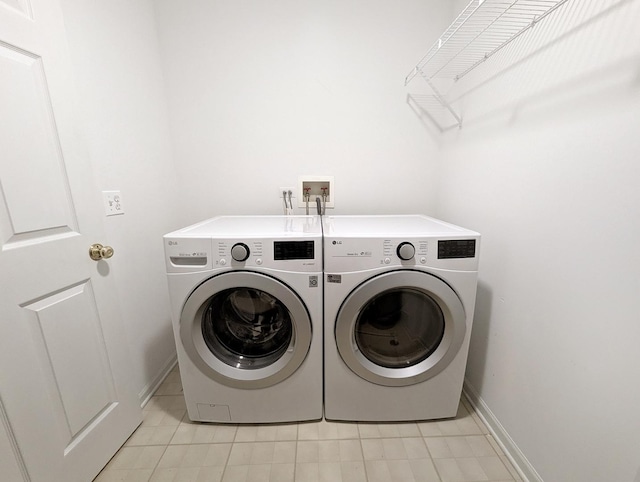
pixel 167 447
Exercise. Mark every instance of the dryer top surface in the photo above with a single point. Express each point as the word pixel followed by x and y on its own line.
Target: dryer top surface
pixel 254 226
pixel 391 226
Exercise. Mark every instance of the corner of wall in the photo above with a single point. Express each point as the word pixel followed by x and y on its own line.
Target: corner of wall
pixel 150 388
pixel 501 436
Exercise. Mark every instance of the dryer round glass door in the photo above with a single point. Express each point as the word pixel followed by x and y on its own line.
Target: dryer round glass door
pixel 400 328
pixel 245 329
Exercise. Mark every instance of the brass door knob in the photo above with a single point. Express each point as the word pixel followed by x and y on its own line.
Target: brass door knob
pixel 98 252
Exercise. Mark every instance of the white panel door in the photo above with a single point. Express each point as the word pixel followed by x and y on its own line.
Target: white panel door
pixel 66 404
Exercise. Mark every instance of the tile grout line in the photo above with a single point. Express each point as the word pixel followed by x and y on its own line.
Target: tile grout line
pixel 158 462
pixel 364 461
pixel 226 463
pixel 433 461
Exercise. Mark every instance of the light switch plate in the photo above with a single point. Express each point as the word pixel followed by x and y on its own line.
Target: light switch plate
pixel 112 203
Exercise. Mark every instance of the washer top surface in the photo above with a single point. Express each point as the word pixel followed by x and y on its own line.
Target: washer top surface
pixel 390 225
pixel 254 226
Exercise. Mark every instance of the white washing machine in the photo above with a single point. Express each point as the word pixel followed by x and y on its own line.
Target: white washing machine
pixel 246 296
pixel 399 301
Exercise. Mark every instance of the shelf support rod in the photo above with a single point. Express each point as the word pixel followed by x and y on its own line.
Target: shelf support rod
pixel 443 101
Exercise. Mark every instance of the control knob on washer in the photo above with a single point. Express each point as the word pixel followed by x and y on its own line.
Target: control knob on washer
pixel 240 252
pixel 406 251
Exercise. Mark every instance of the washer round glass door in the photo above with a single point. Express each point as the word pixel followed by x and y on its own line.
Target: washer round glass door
pixel 245 329
pixel 400 328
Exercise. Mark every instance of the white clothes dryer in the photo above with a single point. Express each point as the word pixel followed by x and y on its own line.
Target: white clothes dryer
pixel 399 302
pixel 246 297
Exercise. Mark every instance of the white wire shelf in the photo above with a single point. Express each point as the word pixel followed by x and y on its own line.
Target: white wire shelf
pixel 482 29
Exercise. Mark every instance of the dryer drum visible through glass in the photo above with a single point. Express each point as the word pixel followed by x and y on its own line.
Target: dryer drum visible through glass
pixel 400 328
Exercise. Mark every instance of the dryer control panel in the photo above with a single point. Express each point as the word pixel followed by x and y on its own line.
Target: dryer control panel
pixel 344 254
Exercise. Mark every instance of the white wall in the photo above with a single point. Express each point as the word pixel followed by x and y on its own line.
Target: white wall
pixel 547 167
pixel 124 121
pixel 262 92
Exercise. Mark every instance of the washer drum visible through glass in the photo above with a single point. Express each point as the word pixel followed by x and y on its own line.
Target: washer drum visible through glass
pixel 245 329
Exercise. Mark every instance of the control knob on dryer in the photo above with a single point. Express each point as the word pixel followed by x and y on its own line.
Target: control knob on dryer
pixel 406 251
pixel 240 252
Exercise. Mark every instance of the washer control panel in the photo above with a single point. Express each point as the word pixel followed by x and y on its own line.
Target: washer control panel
pixel 187 254
pixel 285 254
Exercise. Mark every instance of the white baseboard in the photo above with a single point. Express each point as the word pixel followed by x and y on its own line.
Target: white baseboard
pixel 150 388
pixel 526 471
